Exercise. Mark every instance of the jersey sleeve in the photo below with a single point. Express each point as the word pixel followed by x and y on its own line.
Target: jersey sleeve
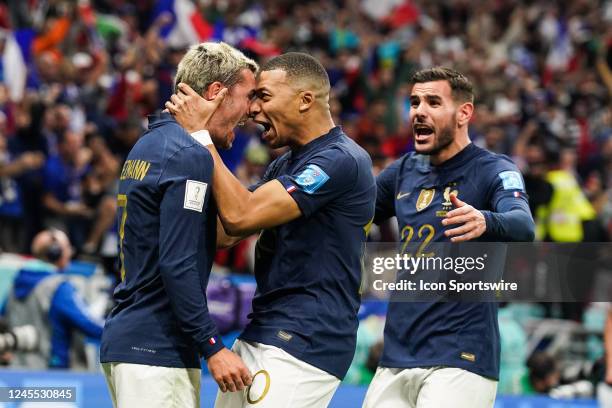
pixel 507 181
pixel 385 192
pixel 510 218
pixel 321 179
pixel 187 179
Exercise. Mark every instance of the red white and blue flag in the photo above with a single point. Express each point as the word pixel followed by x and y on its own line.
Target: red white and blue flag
pixel 15 61
pixel 187 25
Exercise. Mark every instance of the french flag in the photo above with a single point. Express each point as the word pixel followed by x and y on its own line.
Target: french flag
pixel 15 61
pixel 187 26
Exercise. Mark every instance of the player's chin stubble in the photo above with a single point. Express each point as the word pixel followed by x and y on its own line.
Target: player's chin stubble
pixel 443 140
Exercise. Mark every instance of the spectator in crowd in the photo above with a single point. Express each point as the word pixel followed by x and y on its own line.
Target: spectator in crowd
pixel 75 187
pixel 543 374
pixel 99 191
pixel 43 297
pixel 63 175
pixel 12 226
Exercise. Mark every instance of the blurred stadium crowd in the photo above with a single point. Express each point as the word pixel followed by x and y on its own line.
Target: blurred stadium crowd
pixel 77 79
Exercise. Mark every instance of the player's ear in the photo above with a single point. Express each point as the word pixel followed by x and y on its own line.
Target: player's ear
pixel 307 99
pixel 212 90
pixel 464 113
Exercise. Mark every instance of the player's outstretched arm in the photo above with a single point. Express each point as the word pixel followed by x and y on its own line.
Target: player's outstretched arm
pixel 469 222
pixel 224 240
pixel 511 221
pixel 243 212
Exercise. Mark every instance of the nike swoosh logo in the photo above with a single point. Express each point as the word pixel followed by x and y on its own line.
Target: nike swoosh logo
pixel 402 195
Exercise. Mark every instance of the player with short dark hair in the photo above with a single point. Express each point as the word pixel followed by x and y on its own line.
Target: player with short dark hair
pixel 313 205
pixel 445 354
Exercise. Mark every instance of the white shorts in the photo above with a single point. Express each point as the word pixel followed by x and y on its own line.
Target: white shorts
pixel 436 387
pixel 280 380
pixel 604 395
pixel 138 385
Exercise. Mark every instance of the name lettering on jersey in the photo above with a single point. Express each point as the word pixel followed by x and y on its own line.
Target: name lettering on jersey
pixel 195 191
pixel 425 198
pixel 447 205
pixel 135 169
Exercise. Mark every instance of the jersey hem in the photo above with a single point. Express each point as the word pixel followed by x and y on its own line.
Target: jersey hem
pixel 433 363
pixel 160 362
pixel 300 356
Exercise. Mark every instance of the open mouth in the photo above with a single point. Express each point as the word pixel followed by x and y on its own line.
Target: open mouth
pixel 422 130
pixel 263 127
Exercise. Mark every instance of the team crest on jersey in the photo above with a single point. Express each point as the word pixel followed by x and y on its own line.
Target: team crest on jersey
pixel 447 205
pixel 425 198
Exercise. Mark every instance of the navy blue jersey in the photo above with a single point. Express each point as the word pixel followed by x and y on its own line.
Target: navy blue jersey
pixel 452 334
pixel 308 271
pixel 167 231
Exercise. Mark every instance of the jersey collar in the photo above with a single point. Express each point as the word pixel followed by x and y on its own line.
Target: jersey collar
pixel 160 118
pixel 316 143
pixel 459 159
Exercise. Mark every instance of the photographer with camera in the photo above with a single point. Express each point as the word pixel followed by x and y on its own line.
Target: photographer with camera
pixel 44 298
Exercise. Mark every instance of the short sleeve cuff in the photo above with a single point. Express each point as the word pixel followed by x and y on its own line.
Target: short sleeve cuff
pixel 298 196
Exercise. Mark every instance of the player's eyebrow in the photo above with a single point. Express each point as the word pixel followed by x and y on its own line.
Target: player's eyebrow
pixel 430 98
pixel 261 90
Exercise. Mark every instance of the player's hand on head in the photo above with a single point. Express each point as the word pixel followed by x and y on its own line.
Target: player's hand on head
pixel 468 222
pixel 191 110
pixel 229 371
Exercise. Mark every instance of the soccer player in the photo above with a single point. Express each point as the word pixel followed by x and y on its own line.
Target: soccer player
pixel 160 328
pixel 445 354
pixel 313 205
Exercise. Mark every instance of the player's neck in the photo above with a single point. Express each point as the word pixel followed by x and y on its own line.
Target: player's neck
pixel 459 143
pixel 318 125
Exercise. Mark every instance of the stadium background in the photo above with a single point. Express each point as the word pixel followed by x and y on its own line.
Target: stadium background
pixel 79 77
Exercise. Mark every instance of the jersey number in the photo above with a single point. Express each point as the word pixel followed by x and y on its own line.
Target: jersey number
pixel 426 232
pixel 122 204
